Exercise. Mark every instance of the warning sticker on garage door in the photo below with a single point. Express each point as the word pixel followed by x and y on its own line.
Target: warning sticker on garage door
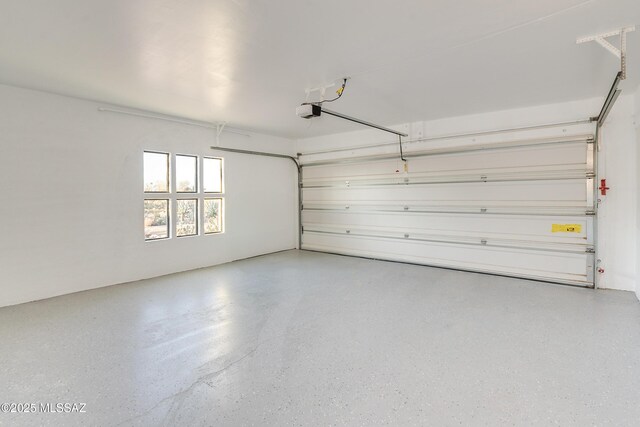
pixel 566 228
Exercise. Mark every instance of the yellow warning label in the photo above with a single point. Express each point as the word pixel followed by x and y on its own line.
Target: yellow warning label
pixel 566 228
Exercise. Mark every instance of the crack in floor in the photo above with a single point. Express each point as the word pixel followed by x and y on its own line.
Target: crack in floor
pixel 179 397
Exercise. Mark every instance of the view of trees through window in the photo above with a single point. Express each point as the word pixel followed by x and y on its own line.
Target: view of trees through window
pixel 187 218
pixel 156 219
pixel 212 217
pixel 168 212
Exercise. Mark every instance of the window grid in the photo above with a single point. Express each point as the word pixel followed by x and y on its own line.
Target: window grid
pixel 205 225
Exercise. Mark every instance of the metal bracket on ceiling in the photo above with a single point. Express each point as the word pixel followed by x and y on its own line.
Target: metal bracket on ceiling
pixel 620 53
pixel 322 90
pixel 219 128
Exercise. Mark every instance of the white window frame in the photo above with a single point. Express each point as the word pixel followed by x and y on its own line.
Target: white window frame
pixel 160 195
pixel 212 195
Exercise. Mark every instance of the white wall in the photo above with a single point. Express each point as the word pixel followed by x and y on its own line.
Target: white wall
pixel 617 164
pixel 72 202
pixel 617 214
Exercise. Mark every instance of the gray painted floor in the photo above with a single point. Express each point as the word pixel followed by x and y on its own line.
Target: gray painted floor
pixel 301 338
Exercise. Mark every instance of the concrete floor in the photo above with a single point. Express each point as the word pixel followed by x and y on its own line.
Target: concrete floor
pixel 301 338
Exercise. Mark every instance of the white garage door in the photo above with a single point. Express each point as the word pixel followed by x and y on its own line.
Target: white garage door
pixel 522 208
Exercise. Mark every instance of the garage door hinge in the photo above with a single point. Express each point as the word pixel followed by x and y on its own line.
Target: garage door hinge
pixel 591 139
pixel 590 251
pixel 591 213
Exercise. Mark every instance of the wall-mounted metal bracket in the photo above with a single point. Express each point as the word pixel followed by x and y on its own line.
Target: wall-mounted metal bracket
pixel 620 53
pixel 219 128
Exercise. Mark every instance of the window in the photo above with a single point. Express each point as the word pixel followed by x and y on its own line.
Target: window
pixel 156 210
pixel 182 196
pixel 212 183
pixel 187 217
pixel 156 172
pixel 186 174
pixel 156 219
pixel 212 216
pixel 212 176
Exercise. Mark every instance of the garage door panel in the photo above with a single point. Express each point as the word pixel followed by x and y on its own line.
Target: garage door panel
pixel 539 191
pixel 461 176
pixel 538 264
pixel 436 148
pixel 516 228
pixel 560 157
pixel 520 207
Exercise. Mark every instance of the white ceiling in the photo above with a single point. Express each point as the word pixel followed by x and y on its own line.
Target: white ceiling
pixel 249 62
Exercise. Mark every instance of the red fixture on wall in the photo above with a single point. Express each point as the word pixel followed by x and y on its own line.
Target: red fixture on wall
pixel 603 187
